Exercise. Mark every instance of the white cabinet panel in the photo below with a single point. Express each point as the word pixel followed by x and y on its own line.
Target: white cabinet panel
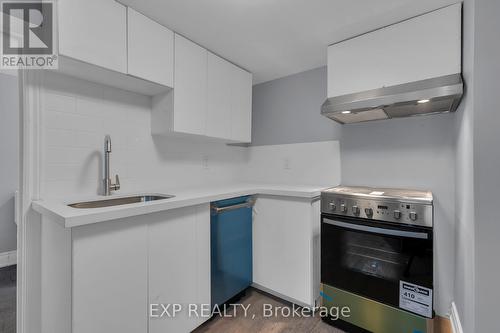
pixel 420 48
pixel 219 101
pixel 55 277
pixel 94 31
pixel 211 98
pixel 241 105
pixel 190 99
pixel 203 263
pixel 179 265
pixel 123 266
pixel 150 49
pixel 284 242
pixel 110 281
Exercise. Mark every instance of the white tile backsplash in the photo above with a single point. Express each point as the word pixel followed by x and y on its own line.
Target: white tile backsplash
pixel 61 103
pixel 77 114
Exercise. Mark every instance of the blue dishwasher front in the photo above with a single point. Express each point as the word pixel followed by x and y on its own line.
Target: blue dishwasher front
pixel 231 247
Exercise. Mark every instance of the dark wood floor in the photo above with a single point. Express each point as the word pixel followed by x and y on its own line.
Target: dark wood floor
pixel 256 322
pixel 8 299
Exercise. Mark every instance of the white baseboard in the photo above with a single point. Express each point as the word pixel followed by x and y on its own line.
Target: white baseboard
pixel 456 326
pixel 8 258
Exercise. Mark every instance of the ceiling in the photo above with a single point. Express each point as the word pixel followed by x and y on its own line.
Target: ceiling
pixel 276 38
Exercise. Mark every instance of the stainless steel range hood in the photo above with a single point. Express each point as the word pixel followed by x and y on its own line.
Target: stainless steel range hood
pixel 436 95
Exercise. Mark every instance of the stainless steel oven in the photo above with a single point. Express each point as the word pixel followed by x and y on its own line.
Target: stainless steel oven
pixel 377 244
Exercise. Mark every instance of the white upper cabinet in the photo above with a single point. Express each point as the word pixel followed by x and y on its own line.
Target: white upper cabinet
pixel 229 114
pixel 211 97
pixel 94 31
pixel 241 105
pixel 423 47
pixel 190 99
pixel 150 49
pixel 105 42
pixel 219 101
pixel 93 38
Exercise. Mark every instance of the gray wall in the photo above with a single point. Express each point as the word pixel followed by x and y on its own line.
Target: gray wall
pixel 487 163
pixel 9 165
pixel 464 182
pixel 287 110
pixel 478 165
pixel 417 152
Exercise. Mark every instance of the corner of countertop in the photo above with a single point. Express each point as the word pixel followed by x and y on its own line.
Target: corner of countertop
pixel 40 207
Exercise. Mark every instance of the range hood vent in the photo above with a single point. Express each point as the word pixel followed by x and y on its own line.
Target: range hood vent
pixel 436 95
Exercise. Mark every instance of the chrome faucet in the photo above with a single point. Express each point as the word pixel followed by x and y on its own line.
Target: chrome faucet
pixel 108 186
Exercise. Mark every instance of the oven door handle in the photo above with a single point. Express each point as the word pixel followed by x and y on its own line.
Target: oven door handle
pixel 375 230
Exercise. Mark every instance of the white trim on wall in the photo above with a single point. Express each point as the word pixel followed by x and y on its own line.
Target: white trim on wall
pixel 28 234
pixel 8 258
pixel 456 326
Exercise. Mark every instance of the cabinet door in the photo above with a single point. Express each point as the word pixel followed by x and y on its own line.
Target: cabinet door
pixel 150 49
pixel 179 265
pixel 94 31
pixel 283 247
pixel 241 105
pixel 190 80
pixel 110 281
pixel 420 48
pixel 219 101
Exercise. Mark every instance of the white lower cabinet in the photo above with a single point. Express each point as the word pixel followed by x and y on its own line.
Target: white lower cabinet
pixel 108 274
pixel 104 277
pixel 179 266
pixel 110 277
pixel 286 235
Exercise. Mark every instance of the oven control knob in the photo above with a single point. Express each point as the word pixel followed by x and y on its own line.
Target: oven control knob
pixel 368 211
pixel 343 208
pixel 355 210
pixel 332 206
pixel 413 216
pixel 397 214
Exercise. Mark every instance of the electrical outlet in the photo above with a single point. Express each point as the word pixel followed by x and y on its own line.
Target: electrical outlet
pixel 286 163
pixel 204 162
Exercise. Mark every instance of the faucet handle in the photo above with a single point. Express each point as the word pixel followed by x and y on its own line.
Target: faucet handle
pixel 116 185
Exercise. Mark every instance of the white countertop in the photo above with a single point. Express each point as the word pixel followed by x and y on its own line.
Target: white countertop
pixel 72 217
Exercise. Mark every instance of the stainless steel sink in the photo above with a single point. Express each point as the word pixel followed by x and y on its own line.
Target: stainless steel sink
pixel 120 201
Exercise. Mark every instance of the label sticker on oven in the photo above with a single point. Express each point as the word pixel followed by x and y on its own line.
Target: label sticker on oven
pixel 415 298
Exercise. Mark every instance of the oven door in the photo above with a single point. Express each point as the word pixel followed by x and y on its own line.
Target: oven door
pixel 374 258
